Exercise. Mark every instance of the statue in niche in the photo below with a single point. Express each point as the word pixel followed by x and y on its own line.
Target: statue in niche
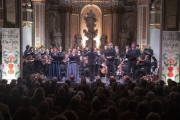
pixel 103 41
pixel 57 38
pixel 124 39
pixel 77 41
pixel 91 33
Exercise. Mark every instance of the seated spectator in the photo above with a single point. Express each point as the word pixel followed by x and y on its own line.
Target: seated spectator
pixel 60 117
pixel 83 102
pixel 31 91
pixel 123 106
pixel 156 106
pixel 20 83
pixel 47 88
pixel 14 101
pixel 70 88
pixel 131 113
pixel 153 116
pixel 130 91
pixel 51 113
pixel 103 115
pixel 61 101
pixel 143 111
pixel 149 97
pixel 23 114
pixel 160 94
pixel 70 115
pixel 96 107
pixel 21 92
pixel 140 98
pixel 26 103
pixel 4 109
pixel 43 109
pixel 113 112
pixel 38 97
pixel 75 106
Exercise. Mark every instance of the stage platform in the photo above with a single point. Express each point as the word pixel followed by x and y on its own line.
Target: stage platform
pixel 74 84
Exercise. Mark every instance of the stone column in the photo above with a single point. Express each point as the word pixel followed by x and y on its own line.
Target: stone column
pixel 67 30
pixel 142 22
pixel 115 28
pixel 70 30
pixel 39 23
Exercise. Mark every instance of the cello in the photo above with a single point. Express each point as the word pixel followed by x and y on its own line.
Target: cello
pixel 104 69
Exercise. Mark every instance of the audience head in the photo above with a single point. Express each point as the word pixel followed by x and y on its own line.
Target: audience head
pixel 156 106
pixel 39 93
pixel 66 87
pixel 43 107
pixel 123 104
pixel 96 105
pixel 70 115
pixel 62 92
pixel 103 115
pixel 50 102
pixel 142 110
pixel 21 90
pixel 47 83
pixel 23 114
pixel 177 99
pixel 150 96
pixel 1 98
pixel 153 116
pixel 15 92
pixel 36 84
pixel 81 94
pixel 74 103
pixel 26 102
pixel 68 82
pixel 113 112
pixel 60 117
pixel 102 98
pixel 132 106
pixel 19 81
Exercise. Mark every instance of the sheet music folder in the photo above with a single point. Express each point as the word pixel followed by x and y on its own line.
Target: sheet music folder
pixel 112 54
pixel 58 59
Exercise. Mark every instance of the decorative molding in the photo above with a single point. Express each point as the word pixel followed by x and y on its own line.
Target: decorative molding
pixel 27 23
pixel 156 26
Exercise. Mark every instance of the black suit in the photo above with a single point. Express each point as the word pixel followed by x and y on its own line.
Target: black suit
pixel 110 62
pixel 104 51
pixel 132 55
pixel 142 56
pixel 91 63
pixel 150 51
pixel 138 51
pixel 146 65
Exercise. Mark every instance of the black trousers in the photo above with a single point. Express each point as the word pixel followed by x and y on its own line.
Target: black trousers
pixel 110 70
pixel 92 72
pixel 131 65
pixel 139 72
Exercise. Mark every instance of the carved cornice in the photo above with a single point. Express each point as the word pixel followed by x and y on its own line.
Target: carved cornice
pixel 156 26
pixel 27 23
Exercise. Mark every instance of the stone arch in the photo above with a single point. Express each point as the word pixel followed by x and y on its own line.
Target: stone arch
pixel 98 13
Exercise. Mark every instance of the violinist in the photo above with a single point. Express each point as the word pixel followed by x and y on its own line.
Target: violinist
pixel 32 52
pixel 86 51
pixel 85 66
pixel 66 59
pixel 149 51
pixel 42 52
pixel 146 66
pixel 38 65
pixel 104 51
pixel 47 53
pixel 142 55
pixel 119 67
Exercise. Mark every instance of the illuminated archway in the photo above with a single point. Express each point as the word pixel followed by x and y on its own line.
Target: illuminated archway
pixel 97 11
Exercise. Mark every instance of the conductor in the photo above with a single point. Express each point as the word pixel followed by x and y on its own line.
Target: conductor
pixel 110 59
pixel 91 63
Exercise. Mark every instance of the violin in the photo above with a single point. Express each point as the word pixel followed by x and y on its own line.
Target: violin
pixel 86 61
pixel 119 71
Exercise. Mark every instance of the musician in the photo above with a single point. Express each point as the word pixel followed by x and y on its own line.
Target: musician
pixel 32 52
pixel 46 65
pixel 142 55
pixel 60 52
pixel 98 62
pixel 117 54
pixel 69 51
pixel 27 51
pixel 73 67
pixel 104 51
pixel 66 59
pixel 38 65
pixel 47 53
pixel 79 53
pixel 125 52
pixel 116 48
pixel 137 47
pixel 149 51
pixel 37 51
pixel 146 66
pixel 86 51
pixel 110 60
pixel 132 54
pixel 50 50
pixel 54 70
pixel 85 67
pixel 42 52
pixel 91 63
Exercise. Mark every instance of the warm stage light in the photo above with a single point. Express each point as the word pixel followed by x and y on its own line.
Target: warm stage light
pixel 97 39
